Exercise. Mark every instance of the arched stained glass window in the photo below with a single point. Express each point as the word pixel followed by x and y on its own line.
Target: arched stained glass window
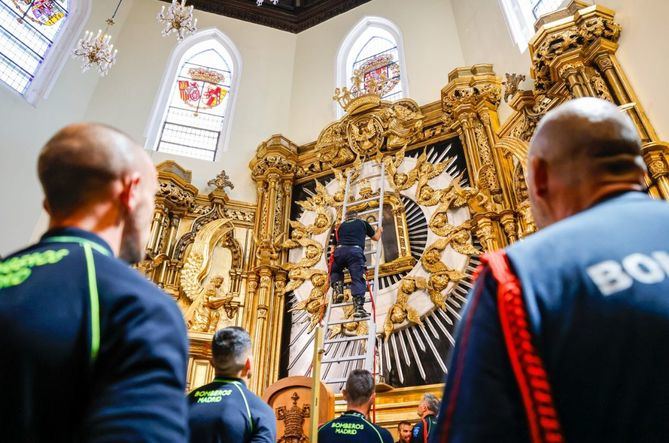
pixel 197 107
pixel 35 36
pixel 374 47
pixel 522 14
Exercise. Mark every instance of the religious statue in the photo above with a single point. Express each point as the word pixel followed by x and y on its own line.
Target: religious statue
pixel 293 420
pixel 399 180
pixel 401 311
pixel 203 314
pixel 316 303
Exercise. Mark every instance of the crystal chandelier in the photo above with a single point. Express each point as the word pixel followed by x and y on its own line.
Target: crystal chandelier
pixel 97 51
pixel 178 18
pixel 260 2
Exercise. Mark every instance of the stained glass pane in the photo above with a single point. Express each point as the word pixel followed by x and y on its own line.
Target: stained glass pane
pixel 541 7
pixel 194 118
pixel 378 56
pixel 28 29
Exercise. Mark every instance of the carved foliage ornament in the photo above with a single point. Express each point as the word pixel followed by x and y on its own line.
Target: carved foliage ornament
pixel 583 34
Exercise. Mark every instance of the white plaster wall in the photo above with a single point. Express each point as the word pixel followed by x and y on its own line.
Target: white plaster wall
pixel 24 129
pixel 261 108
pixel 431 50
pixel 643 52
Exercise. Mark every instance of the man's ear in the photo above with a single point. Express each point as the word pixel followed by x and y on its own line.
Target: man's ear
pixel 539 177
pixel 344 394
pixel 45 205
pixel 129 196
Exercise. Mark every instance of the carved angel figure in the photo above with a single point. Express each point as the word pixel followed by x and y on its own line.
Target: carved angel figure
pixel 312 254
pixel 203 314
pixel 316 303
pixel 401 311
pixel 399 180
pixel 436 285
pixel 458 237
pixel 404 125
pixel 431 260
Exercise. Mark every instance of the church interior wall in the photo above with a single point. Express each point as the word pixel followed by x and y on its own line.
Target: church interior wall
pixel 286 83
pixel 431 51
pixel 25 129
pixel 485 38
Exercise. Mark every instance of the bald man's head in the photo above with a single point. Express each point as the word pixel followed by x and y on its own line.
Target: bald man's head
pixel 580 152
pixel 84 165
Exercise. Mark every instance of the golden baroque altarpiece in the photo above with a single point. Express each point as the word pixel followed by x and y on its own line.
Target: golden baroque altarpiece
pixel 455 188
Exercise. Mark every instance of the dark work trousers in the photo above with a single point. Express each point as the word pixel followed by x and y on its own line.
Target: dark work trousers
pixel 353 259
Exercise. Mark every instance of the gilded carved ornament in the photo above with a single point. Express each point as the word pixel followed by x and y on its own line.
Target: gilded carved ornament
pixel 293 420
pixel 203 313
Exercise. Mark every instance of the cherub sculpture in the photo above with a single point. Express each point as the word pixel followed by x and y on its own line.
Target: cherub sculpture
pixel 203 314
pixel 401 311
pixel 316 303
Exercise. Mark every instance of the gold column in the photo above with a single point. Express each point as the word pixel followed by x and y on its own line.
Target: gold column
pixel 273 169
pixel 469 102
pixel 576 48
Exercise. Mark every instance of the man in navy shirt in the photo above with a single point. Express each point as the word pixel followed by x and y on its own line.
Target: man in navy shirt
pixel 353 425
pixel 225 410
pixel 349 253
pixel 427 410
pixel 90 350
pixel 592 319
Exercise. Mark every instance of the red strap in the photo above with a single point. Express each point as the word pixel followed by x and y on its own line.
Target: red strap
pixel 527 365
pixel 424 430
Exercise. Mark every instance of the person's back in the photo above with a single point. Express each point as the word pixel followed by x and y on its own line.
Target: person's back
pixel 353 232
pixel 90 349
pixel 597 288
pixel 561 337
pixel 353 426
pixel 225 410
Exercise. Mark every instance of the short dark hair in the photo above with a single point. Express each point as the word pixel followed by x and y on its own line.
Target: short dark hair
pixel 230 347
pixel 78 164
pixel 403 423
pixel 359 386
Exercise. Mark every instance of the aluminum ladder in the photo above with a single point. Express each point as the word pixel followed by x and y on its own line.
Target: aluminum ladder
pixel 348 351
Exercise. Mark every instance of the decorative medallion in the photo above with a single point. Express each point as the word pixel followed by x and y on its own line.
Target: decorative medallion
pixel 205 90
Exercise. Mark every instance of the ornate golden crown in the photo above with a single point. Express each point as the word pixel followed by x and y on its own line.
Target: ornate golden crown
pixel 374 79
pixel 206 75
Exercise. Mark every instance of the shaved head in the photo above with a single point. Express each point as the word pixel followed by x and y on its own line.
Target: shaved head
pixel 581 151
pixel 86 165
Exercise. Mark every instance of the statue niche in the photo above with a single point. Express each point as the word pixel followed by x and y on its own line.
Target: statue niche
pixel 210 278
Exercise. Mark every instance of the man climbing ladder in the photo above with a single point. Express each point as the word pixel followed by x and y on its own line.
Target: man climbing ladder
pixel 349 253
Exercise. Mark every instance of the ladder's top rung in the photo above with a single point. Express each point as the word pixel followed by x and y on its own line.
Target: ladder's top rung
pixel 348 320
pixel 343 359
pixel 345 339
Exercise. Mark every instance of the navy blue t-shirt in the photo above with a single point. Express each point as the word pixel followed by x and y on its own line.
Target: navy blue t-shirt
pixel 352 427
pixel 90 349
pixel 226 411
pixel 353 233
pixel 596 289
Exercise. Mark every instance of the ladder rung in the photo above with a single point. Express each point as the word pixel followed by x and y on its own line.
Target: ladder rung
pixel 348 320
pixel 345 339
pixel 357 202
pixel 366 178
pixel 347 303
pixel 371 251
pixel 335 380
pixel 368 211
pixel 343 359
